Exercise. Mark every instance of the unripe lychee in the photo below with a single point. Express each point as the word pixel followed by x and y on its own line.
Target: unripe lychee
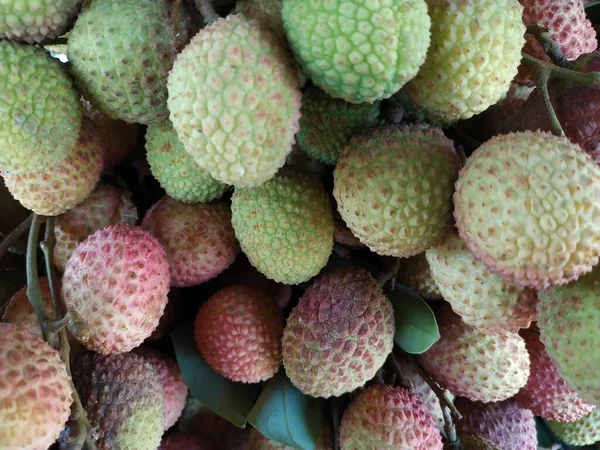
pixel 528 206
pixel 546 393
pixel 339 334
pixel 480 366
pixel 238 332
pixel 383 417
pixel 504 424
pixel 258 441
pixel 35 392
pixel 482 299
pixel 584 431
pixel 59 188
pixel 117 280
pixel 20 312
pixel 392 218
pixel 106 205
pixel 185 441
pixel 415 273
pixel 123 397
pixel 568 318
pixel 173 385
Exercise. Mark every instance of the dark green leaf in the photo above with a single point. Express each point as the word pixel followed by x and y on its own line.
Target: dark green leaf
pixel 416 328
pixel 286 415
pixel 230 400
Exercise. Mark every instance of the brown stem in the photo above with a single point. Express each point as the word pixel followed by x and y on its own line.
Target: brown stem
pixel 438 391
pixel 400 377
pixel 206 10
pixel 450 430
pixel 551 47
pixel 389 274
pixel 14 235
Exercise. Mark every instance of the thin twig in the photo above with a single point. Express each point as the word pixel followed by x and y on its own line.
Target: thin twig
pixel 444 401
pixel 206 10
pixel 450 430
pixel 389 274
pixel 14 235
pixel 588 79
pixel 47 246
pixel 551 47
pixel 400 377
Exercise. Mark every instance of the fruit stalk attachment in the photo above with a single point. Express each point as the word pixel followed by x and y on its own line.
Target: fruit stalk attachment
pixel 14 235
pixel 206 10
pixel 551 47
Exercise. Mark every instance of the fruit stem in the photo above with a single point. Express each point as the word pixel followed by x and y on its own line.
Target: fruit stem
pixel 444 402
pixel 14 235
pixel 206 10
pixel 450 430
pixel 47 246
pixel 551 47
pixel 588 79
pixel 389 274
pixel 400 378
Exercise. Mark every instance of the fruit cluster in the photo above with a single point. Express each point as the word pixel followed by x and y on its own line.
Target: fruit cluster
pixel 269 178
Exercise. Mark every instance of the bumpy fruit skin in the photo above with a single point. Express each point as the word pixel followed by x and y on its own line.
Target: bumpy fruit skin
pixel 40 114
pixel 173 386
pixel 259 442
pixel 104 206
pixel 414 272
pixel 123 397
pixel 121 305
pixel 566 22
pixel 34 21
pixel 584 431
pixel 474 54
pixel 121 52
pixel 481 298
pixel 238 332
pixel 527 205
pixel 504 424
pixel 546 393
pixel 568 318
pixel 285 226
pixel 235 101
pixel 35 392
pixel 339 334
pixel 176 170
pixel 383 417
pixel 185 441
pixel 391 218
pixel 359 52
pixel 476 443
pixel 327 123
pixel 20 312
pixel 480 366
pixel 199 239
pixel 59 188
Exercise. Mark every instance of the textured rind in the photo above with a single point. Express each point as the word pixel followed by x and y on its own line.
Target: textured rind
pixel 474 54
pixel 20 312
pixel 546 393
pixel 566 22
pixel 285 226
pixel 123 398
pixel 480 366
pixel 236 108
pixel 176 170
pixel 388 418
pixel 121 52
pixel 34 21
pixel 339 334
pixel 476 443
pixel 568 318
pixel 584 431
pixel 238 332
pixel 173 385
pixel 482 299
pixel 391 218
pixel 104 206
pixel 40 114
pixel 528 206
pixel 59 188
pixel 504 424
pixel 327 124
pixel 199 239
pixel 358 51
pixel 35 392
pixel 185 441
pixel 122 305
pixel 414 272
pixel 259 442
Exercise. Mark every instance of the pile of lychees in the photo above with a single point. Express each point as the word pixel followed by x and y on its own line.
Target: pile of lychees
pixel 268 176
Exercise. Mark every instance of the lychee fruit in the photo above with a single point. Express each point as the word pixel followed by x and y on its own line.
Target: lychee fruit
pixel 238 332
pixel 199 239
pixel 388 418
pixel 339 334
pixel 392 218
pixel 480 366
pixel 35 391
pixel 185 441
pixel 285 226
pixel 481 298
pixel 519 208
pixel 117 280
pixel 584 431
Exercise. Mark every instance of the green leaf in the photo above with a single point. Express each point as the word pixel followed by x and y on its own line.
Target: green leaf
pixel 229 399
pixel 286 415
pixel 416 328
